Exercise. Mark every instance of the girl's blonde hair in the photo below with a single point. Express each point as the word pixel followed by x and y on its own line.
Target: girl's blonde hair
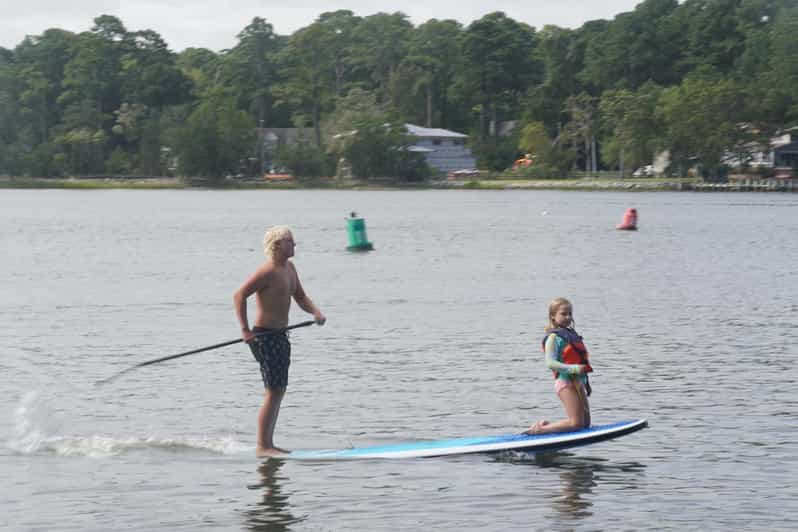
pixel 273 235
pixel 554 306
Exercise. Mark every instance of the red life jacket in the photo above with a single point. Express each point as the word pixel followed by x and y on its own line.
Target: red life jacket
pixel 574 352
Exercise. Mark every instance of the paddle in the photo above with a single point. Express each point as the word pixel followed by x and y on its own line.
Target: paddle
pixel 200 350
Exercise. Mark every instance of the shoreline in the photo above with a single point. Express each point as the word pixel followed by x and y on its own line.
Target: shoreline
pixel 578 184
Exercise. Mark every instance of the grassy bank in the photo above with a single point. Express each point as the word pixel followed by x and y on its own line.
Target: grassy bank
pixel 600 183
pixel 586 183
pixel 91 183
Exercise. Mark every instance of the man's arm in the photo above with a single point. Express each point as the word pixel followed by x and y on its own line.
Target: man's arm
pixel 257 281
pixel 305 302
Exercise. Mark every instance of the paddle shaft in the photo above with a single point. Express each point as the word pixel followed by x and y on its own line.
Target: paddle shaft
pixel 207 348
pixel 192 352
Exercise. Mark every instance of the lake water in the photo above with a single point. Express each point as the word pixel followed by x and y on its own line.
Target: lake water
pixel 692 323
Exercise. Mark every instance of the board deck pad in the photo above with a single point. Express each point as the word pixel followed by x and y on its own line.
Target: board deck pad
pixel 479 444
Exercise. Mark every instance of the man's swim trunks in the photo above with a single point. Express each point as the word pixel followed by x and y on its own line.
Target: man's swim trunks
pixel 273 353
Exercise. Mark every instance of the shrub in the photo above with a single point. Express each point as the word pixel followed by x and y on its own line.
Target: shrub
pixel 304 160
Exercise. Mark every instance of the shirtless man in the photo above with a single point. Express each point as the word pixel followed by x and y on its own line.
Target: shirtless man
pixel 274 283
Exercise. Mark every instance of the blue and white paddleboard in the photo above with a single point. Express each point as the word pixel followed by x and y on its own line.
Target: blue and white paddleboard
pixel 480 444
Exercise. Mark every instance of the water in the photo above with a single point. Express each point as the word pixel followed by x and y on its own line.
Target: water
pixel 691 323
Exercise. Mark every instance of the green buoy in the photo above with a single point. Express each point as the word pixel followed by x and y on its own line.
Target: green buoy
pixel 356 231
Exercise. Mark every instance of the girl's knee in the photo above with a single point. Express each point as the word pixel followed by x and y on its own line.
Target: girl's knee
pixel 579 423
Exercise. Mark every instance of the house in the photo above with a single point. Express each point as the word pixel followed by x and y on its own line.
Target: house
pixel 780 150
pixel 786 155
pixel 779 160
pixel 443 150
pixel 785 160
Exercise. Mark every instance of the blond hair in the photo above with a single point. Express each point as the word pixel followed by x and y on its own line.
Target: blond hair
pixel 554 306
pixel 273 235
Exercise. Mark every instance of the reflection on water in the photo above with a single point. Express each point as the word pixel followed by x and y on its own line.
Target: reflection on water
pixel 578 481
pixel 272 513
pixel 579 476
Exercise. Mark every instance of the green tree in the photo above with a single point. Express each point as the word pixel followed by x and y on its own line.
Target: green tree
pixel 309 81
pixel 712 34
pixel 629 126
pixel 216 139
pixel 581 130
pixel 9 113
pixel 338 35
pixel 43 59
pixel 149 74
pixel 561 52
pixel 701 120
pixel 428 71
pixel 304 160
pixel 783 75
pixel 379 44
pixel 499 66
pixel 249 69
pixel 378 150
pixel 635 47
pixel 84 149
pixel 91 92
pixel 549 160
pixel 91 73
pixel 202 67
pixel 373 144
pixel 356 107
pixel 150 80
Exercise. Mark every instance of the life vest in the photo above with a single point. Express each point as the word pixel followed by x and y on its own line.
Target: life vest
pixel 574 352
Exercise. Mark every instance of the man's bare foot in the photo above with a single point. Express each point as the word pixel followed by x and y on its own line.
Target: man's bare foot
pixel 268 452
pixel 537 428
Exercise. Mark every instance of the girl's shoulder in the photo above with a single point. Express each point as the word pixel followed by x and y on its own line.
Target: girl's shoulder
pixel 567 335
pixel 558 338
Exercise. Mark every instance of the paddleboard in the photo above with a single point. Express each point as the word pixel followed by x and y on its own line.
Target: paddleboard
pixel 480 444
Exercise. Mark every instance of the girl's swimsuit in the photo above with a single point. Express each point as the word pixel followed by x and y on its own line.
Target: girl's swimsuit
pixel 565 352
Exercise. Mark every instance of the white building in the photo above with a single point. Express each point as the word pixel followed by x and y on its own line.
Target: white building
pixel 763 157
pixel 444 150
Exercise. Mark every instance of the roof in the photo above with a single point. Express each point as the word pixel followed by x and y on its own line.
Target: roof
pixel 418 131
pixel 792 147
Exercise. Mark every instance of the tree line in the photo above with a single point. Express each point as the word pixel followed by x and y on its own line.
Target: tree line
pixel 700 79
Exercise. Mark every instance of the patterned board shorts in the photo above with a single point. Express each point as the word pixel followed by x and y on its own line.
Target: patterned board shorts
pixel 273 353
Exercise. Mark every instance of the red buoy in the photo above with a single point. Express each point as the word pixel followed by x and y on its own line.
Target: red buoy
pixel 629 222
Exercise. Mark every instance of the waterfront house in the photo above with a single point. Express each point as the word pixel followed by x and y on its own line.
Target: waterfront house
pixel 778 159
pixel 780 151
pixel 786 156
pixel 444 150
pixel 777 166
